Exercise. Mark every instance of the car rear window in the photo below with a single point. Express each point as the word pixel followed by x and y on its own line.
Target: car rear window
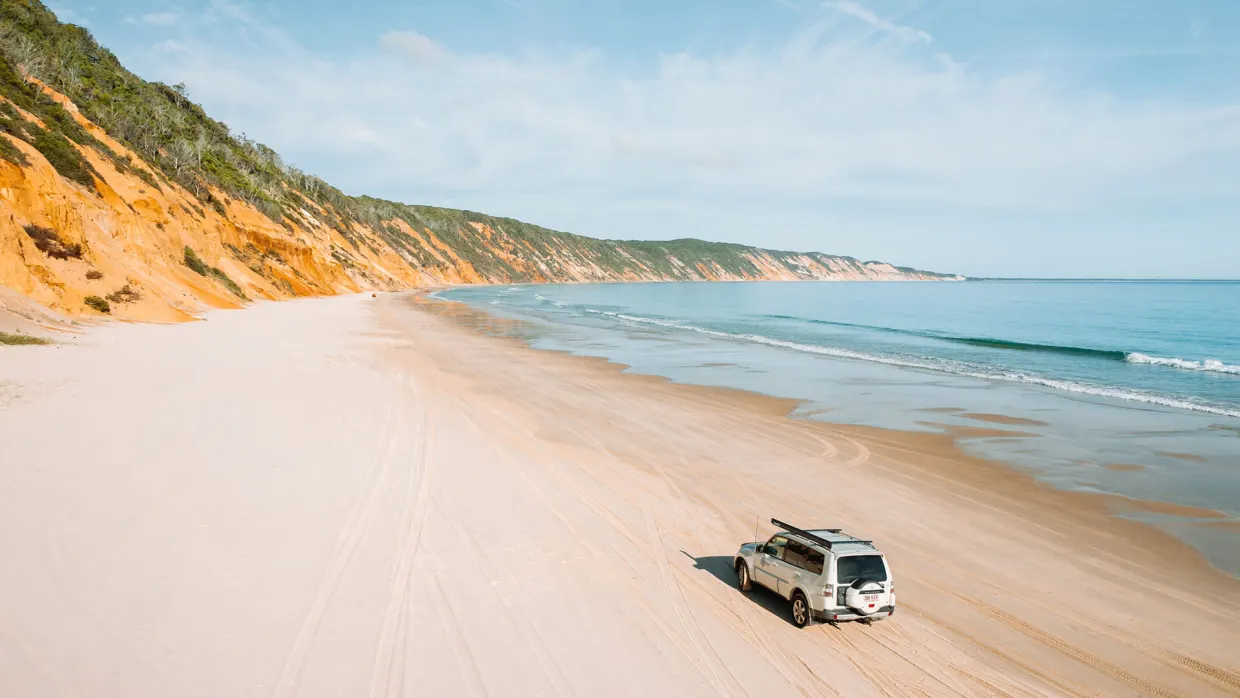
pixel 871 567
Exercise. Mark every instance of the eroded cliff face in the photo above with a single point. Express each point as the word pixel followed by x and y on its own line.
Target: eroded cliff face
pixel 131 235
pixel 158 252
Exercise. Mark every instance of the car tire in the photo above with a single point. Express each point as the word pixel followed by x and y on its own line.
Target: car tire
pixel 802 614
pixel 743 581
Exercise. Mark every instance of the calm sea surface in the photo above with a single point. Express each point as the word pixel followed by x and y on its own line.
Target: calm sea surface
pixel 1130 388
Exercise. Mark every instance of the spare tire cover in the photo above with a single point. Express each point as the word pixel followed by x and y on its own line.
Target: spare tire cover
pixel 855 597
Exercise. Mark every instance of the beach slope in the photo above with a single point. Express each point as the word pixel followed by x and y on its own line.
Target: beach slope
pixel 359 496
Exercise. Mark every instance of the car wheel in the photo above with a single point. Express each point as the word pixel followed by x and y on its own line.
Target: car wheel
pixel 742 577
pixel 801 613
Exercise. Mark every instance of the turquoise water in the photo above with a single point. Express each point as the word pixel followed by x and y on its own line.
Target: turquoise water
pixel 1142 375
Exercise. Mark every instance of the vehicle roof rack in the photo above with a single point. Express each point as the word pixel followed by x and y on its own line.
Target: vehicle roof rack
pixel 819 539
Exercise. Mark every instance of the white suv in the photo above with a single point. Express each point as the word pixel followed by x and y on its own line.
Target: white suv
pixel 828 575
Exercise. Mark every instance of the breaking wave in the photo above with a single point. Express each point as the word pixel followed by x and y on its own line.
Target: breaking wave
pixel 974 341
pixel 1208 365
pixel 951 367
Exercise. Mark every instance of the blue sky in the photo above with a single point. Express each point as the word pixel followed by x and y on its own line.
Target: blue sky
pixel 1006 137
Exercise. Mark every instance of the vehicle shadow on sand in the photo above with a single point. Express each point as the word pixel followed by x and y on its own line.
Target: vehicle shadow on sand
pixel 720 567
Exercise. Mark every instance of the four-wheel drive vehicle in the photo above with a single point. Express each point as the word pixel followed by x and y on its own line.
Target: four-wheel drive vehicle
pixel 828 575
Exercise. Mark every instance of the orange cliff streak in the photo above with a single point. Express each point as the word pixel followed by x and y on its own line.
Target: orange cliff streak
pixel 133 236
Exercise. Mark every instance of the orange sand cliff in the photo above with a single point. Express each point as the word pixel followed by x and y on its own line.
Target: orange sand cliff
pixel 136 234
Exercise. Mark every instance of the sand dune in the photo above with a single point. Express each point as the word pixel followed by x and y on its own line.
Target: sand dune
pixel 364 497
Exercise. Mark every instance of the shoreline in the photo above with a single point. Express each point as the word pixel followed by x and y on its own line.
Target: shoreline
pixel 943 444
pixel 359 496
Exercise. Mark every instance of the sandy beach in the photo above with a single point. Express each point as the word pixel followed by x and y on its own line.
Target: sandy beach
pixel 367 497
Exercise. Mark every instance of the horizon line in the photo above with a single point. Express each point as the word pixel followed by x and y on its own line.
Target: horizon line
pixel 1102 278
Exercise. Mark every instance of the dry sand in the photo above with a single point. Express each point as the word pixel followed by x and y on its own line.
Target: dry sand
pixel 359 497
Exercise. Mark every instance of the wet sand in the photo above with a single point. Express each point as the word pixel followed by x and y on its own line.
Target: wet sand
pixel 1181 456
pixel 1004 419
pixel 1166 508
pixel 370 497
pixel 960 431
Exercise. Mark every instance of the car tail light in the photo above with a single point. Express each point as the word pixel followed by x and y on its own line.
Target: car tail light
pixel 829 591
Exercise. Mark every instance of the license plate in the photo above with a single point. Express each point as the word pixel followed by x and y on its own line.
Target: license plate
pixel 871 597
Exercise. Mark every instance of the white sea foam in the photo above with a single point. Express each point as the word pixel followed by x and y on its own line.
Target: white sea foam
pixel 543 299
pixel 1208 365
pixel 1118 394
pixel 955 368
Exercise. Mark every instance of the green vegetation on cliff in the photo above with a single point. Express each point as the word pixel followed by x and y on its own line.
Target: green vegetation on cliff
pixel 178 142
pixel 21 339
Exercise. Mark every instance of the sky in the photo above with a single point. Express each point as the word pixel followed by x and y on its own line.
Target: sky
pixel 1033 138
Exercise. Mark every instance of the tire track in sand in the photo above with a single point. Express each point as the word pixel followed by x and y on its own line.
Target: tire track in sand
pixel 701 644
pixel 1043 674
pixel 775 654
pixel 553 672
pixel 885 685
pixel 761 640
pixel 624 575
pixel 388 664
pixel 466 663
pixel 1225 678
pixel 1064 647
pixel 900 644
pixel 355 526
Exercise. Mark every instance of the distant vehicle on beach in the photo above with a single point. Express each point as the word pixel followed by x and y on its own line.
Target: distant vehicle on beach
pixel 826 574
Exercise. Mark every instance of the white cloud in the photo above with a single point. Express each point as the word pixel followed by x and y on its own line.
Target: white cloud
pixel 858 11
pixel 170 46
pixel 412 45
pixel 836 116
pixel 227 10
pixel 155 19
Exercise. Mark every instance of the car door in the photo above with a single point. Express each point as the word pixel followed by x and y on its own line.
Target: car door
pixel 793 568
pixel 770 557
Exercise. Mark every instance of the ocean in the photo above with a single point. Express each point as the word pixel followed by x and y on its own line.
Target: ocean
pixel 1128 388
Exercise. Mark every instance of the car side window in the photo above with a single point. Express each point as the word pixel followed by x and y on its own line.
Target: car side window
pixel 795 553
pixel 815 561
pixel 775 547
